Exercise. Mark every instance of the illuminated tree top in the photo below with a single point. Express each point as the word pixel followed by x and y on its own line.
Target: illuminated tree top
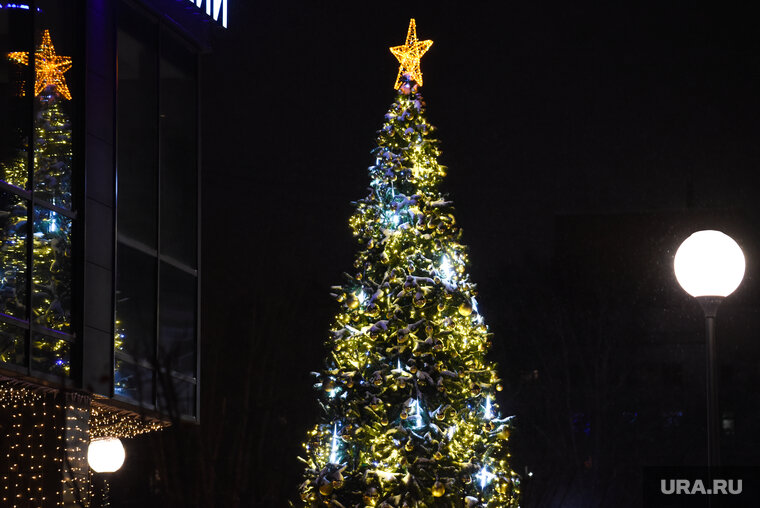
pixel 409 55
pixel 49 66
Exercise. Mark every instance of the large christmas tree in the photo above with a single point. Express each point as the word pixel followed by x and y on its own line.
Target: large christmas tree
pixel 408 394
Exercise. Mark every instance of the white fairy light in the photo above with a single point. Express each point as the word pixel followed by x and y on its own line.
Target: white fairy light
pixel 417 413
pixel 334 446
pixel 485 477
pixel 446 271
pixel 488 412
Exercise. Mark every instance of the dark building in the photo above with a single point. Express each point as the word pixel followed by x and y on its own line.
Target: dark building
pixel 99 230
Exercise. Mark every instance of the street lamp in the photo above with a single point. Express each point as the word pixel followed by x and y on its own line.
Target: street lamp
pixel 709 265
pixel 105 454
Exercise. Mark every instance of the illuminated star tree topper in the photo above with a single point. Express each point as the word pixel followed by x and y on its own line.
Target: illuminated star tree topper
pixel 409 55
pixel 49 67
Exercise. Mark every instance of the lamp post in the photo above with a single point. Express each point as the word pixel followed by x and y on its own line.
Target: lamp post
pixel 105 455
pixel 709 265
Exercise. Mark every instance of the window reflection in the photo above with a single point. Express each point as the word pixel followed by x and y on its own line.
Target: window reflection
pixel 52 149
pixel 11 344
pixel 136 303
pixel 15 28
pixel 51 355
pixel 13 262
pixel 134 382
pixel 36 107
pixel 51 274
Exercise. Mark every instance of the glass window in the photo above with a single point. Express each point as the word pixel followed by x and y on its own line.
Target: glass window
pixel 137 124
pixel 55 40
pixel 136 303
pixel 12 344
pixel 51 355
pixel 177 316
pixel 157 203
pixel 13 254
pixel 179 175
pixel 51 274
pixel 176 395
pixel 39 90
pixel 134 382
pixel 16 39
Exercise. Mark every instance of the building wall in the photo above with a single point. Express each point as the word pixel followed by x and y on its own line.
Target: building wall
pixel 99 198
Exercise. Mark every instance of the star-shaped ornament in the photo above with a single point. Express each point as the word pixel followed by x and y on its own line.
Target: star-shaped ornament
pixel 49 67
pixel 409 55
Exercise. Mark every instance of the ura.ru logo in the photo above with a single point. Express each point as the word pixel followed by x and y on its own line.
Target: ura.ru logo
pixel 718 486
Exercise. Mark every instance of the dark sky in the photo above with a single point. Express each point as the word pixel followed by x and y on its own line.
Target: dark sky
pixel 543 110
pixel 540 110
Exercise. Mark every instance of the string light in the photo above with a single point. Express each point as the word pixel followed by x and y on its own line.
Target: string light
pixel 48 437
pixel 31 457
pixel 109 422
pixel 409 55
pixel 49 66
pixel 447 272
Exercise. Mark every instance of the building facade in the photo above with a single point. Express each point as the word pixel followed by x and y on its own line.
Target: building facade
pixel 99 229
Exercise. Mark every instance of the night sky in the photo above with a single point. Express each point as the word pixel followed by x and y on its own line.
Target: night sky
pixel 556 121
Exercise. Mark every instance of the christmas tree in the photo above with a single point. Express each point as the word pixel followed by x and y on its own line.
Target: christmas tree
pixel 410 418
pixel 51 184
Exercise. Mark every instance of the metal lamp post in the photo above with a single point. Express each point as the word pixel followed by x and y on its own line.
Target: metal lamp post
pixel 709 265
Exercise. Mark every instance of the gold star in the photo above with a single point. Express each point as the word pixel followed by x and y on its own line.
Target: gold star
pixel 409 55
pixel 50 67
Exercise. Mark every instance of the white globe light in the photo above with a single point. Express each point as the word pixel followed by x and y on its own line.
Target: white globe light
pixel 105 454
pixel 709 263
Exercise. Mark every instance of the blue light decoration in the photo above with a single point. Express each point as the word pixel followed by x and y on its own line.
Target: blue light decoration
pixel 23 7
